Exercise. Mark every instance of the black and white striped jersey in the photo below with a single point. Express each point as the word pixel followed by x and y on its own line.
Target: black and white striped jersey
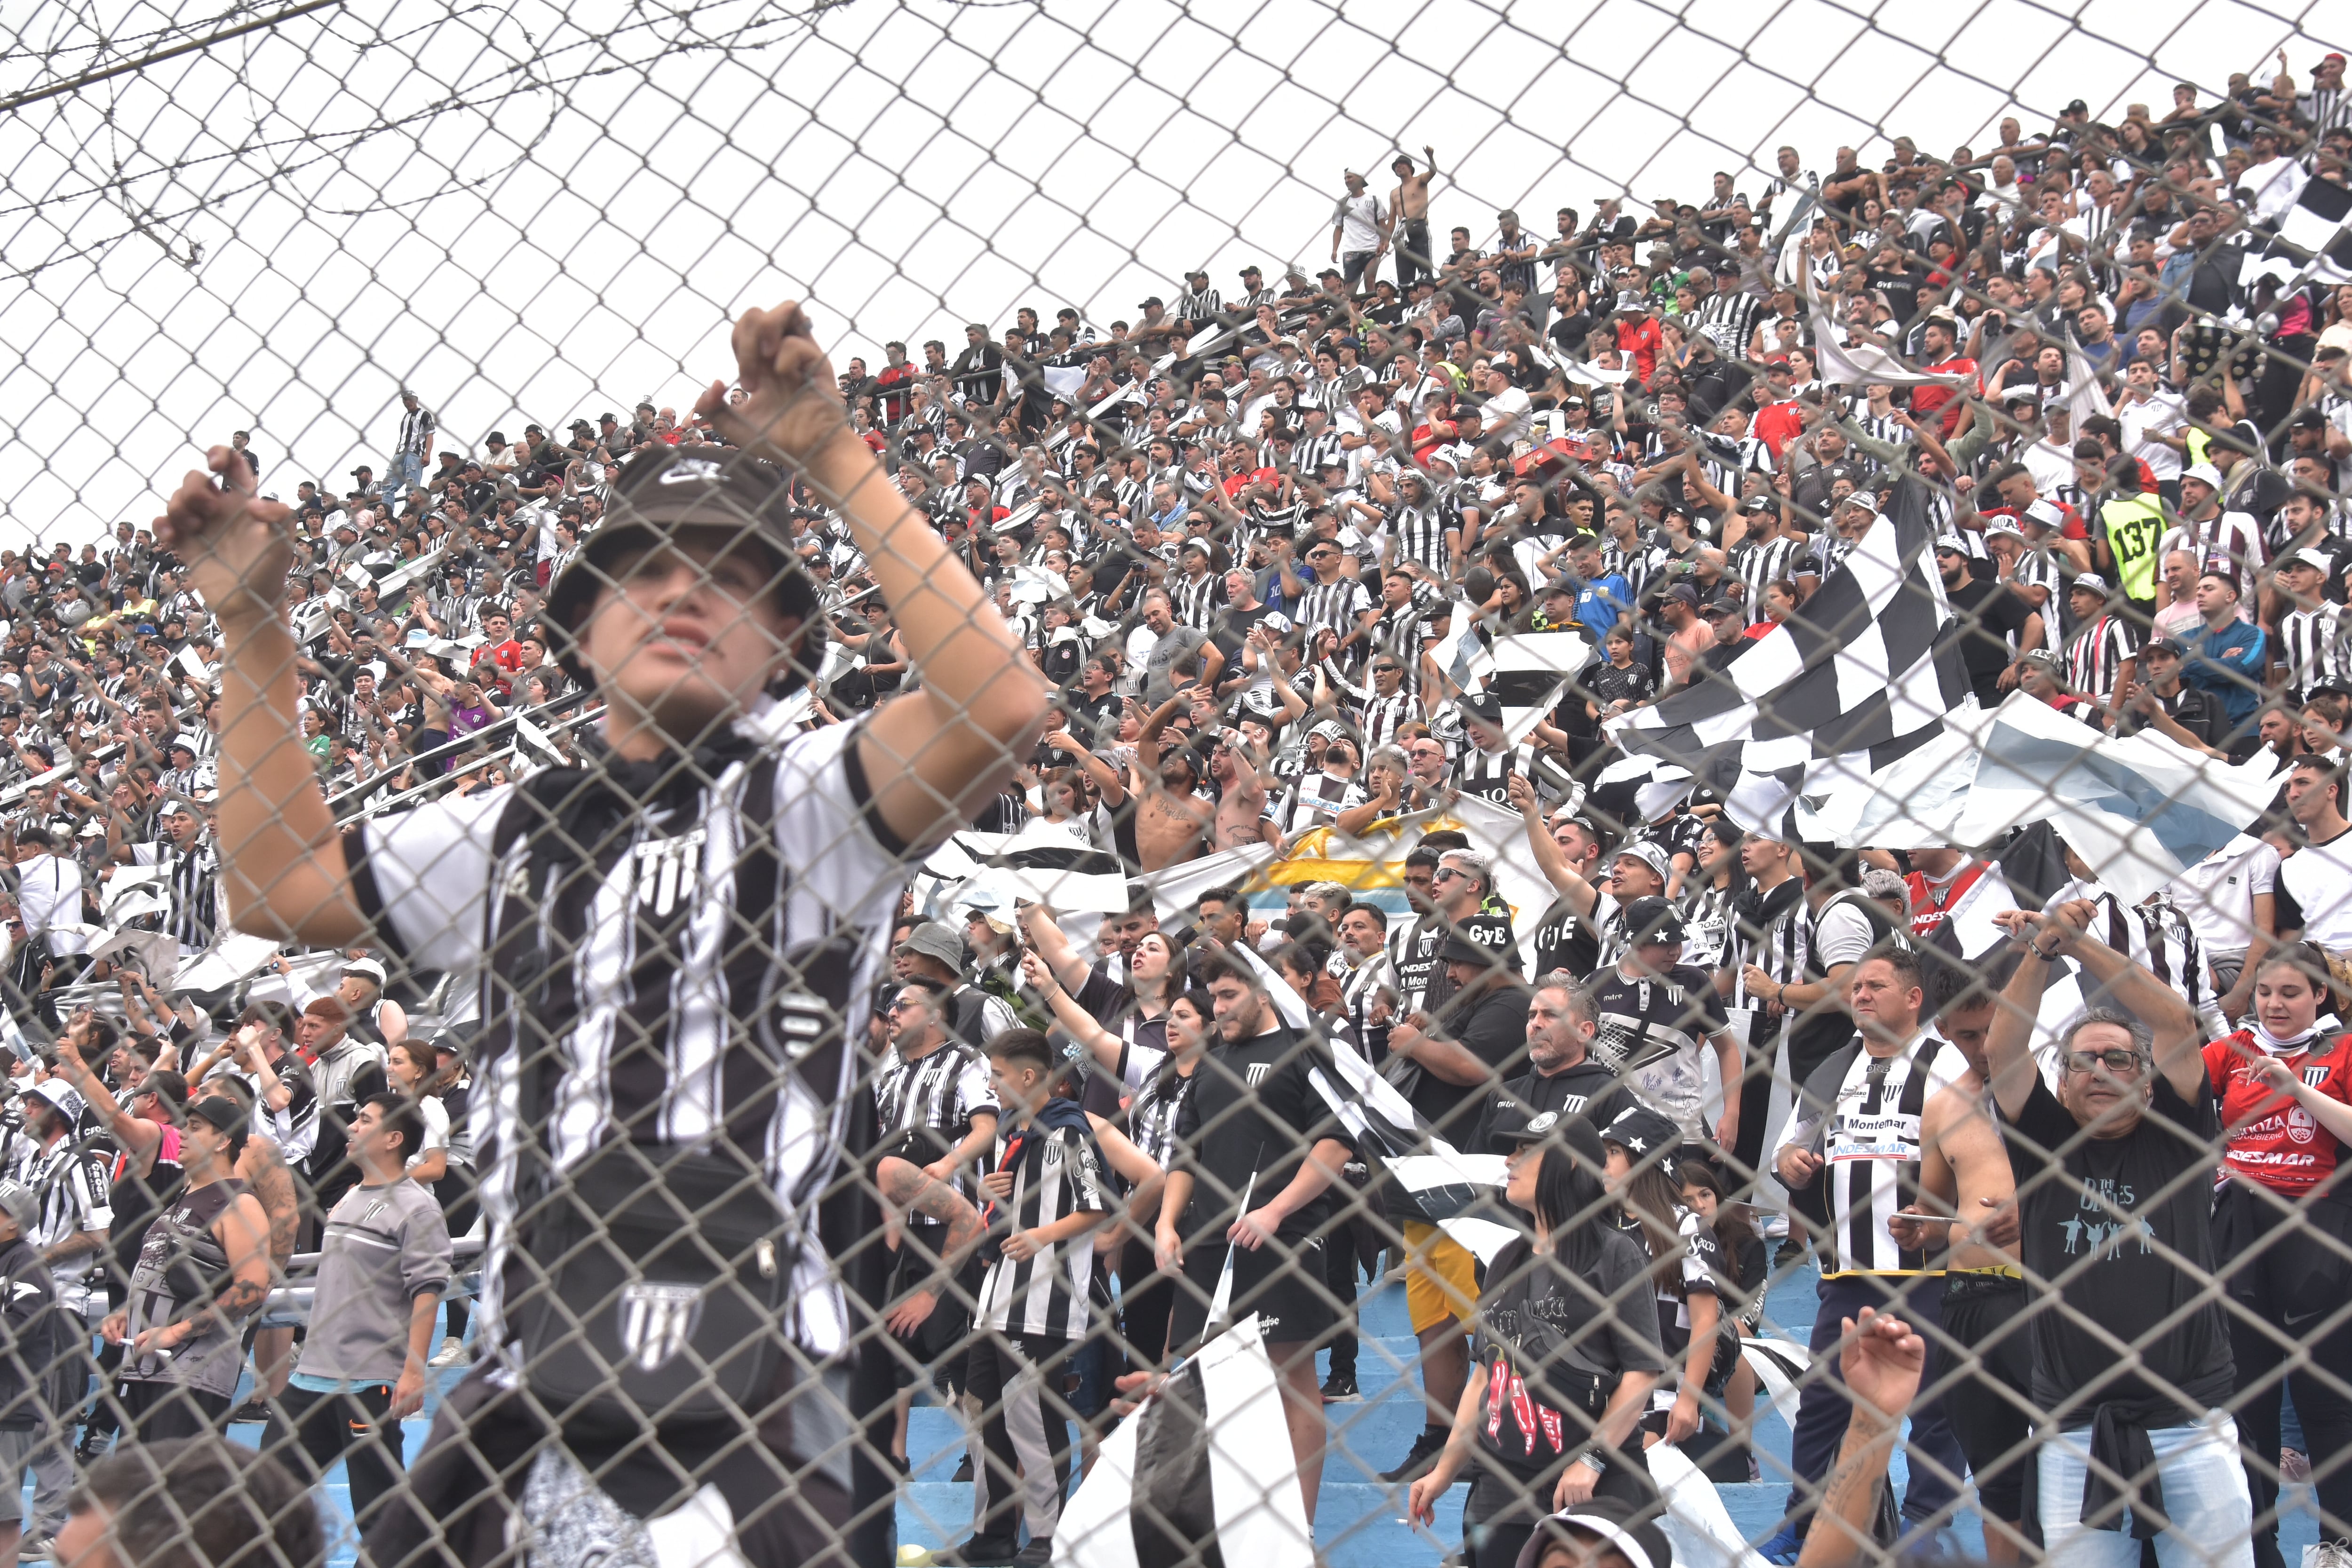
pixel 1338 604
pixel 194 882
pixel 2096 656
pixel 75 1189
pixel 923 1108
pixel 1760 566
pixel 1420 533
pixel 2311 646
pixel 1153 1113
pixel 1313 800
pixel 686 949
pixel 1860 1114
pixel 1057 1171
pixel 1380 718
pixel 1312 452
pixel 1195 599
pixel 1201 307
pixel 1637 565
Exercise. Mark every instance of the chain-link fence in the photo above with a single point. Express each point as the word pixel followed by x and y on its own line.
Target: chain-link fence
pixel 1657 880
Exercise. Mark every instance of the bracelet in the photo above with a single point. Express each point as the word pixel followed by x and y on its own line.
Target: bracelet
pixel 2038 953
pixel 1593 1461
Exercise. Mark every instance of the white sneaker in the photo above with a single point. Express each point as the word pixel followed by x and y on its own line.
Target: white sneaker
pixel 451 1353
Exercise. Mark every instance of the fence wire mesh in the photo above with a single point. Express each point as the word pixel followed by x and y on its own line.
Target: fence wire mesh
pixel 1657 881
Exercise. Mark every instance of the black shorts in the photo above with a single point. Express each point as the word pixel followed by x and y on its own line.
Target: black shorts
pixel 1282 1282
pixel 1983 1313
pixel 933 1353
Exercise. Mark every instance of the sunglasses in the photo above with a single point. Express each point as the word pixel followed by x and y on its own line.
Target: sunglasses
pixel 2119 1063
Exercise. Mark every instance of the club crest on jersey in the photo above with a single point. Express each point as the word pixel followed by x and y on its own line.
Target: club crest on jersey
pixel 665 867
pixel 2316 1076
pixel 1256 1072
pixel 693 471
pixel 657 1321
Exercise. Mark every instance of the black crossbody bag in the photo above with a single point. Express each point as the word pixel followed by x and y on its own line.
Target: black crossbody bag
pixel 659 1277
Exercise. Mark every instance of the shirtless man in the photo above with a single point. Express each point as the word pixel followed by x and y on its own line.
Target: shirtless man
pixel 1171 822
pixel 1968 1188
pixel 1411 204
pixel 1240 797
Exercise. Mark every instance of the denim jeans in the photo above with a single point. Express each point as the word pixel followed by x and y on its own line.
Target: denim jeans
pixel 2210 1517
pixel 407 469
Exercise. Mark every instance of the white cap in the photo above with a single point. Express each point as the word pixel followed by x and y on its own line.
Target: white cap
pixel 2205 474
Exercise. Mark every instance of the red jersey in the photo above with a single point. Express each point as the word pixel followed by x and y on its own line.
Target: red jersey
pixel 1642 341
pixel 1931 904
pixel 1927 400
pixel 1777 424
pixel 2273 1139
pixel 508 655
pixel 2070 525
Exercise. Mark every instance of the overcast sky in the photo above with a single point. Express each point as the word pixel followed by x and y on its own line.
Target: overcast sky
pixel 533 212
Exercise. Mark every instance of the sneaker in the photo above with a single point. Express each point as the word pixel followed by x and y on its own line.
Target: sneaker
pixel 903 1465
pixel 1339 1388
pixel 1419 1461
pixel 978 1551
pixel 1036 1555
pixel 2329 1553
pixel 2294 1468
pixel 255 1409
pixel 35 1549
pixel 1783 1548
pixel 451 1353
pixel 964 1472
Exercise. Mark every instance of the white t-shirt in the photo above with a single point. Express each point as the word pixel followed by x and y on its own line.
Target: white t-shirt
pixel 1362 221
pixel 2217 893
pixel 2315 892
pixel 2163 413
pixel 436 1129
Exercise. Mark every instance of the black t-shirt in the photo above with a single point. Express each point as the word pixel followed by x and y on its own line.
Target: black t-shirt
pixel 1554 1346
pixel 1566 940
pixel 1902 290
pixel 1490 1021
pixel 1987 614
pixel 1254 1109
pixel 2133 1205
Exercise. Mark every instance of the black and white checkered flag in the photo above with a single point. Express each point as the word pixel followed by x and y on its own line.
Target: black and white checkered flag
pixel 1861 675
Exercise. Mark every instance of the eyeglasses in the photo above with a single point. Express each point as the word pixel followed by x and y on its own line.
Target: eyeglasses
pixel 2118 1062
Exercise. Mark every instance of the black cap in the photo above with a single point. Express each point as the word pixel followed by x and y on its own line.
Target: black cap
pixel 1655 920
pixel 2167 645
pixel 1644 1135
pixel 1514 1125
pixel 222 1112
pixel 662 488
pixel 1481 939
pixel 1485 707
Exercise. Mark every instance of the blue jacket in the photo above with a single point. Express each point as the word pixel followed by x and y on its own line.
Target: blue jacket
pixel 2228 664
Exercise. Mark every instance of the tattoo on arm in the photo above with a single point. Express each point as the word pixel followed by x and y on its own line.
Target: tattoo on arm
pixel 273 1185
pixel 909 1186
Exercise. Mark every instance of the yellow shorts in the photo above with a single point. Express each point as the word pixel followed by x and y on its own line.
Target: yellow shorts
pixel 1441 1278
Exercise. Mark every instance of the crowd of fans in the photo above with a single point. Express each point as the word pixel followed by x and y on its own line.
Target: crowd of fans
pixel 1228 528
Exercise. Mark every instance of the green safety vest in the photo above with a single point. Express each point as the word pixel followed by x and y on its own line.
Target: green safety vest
pixel 2133 525
pixel 2200 446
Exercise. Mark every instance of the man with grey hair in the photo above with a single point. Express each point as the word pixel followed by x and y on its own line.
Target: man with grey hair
pixel 2132 1363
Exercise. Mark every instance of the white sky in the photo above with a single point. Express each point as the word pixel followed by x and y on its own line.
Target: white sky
pixel 613 184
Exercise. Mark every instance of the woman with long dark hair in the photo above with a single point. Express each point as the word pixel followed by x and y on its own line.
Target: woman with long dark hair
pixel 1558 1375
pixel 1645 1179
pixel 2281 1226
